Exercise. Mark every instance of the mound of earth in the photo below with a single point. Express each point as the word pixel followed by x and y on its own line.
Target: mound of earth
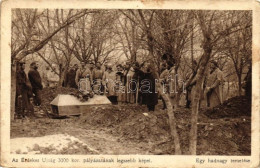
pixel 228 136
pixel 225 137
pixel 109 115
pixel 234 107
pixel 145 127
pixel 223 130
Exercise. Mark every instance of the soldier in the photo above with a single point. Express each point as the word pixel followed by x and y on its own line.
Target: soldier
pixel 97 74
pixel 92 66
pixel 130 83
pixel 36 82
pixel 71 76
pixel 120 80
pixel 109 79
pixel 150 96
pixel 214 84
pixel 23 93
pixel 169 60
pixel 137 78
pixel 84 78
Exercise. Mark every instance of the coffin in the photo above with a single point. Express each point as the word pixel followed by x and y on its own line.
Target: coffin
pixel 64 105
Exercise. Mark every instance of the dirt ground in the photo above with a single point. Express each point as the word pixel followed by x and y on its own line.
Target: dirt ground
pixel 131 129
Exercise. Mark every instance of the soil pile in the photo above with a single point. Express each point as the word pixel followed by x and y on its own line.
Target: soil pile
pixel 228 136
pixel 147 127
pixel 234 107
pixel 219 133
pixel 225 137
pixel 132 122
pixel 109 115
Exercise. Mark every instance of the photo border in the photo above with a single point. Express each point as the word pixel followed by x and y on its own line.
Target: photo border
pixel 157 160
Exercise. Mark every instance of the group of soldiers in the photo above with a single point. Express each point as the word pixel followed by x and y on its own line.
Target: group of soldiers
pixel 121 84
pixel 131 82
pixel 116 84
pixel 211 93
pixel 28 90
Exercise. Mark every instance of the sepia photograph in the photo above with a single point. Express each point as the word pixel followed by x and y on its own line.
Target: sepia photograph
pixel 97 81
pixel 163 81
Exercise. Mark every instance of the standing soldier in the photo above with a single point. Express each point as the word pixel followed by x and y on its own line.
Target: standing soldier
pixel 130 83
pixel 109 79
pixel 84 78
pixel 36 82
pixel 23 93
pixel 97 74
pixel 71 76
pixel 148 87
pixel 169 60
pixel 214 84
pixel 120 88
pixel 92 66
pixel 137 78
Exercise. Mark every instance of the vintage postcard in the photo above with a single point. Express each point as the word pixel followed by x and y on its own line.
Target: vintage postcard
pixel 130 83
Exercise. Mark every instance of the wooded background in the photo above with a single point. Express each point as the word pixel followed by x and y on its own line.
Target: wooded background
pixel 69 36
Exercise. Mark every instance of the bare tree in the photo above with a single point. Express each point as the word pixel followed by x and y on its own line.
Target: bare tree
pixel 129 37
pixel 144 20
pixel 24 22
pixel 214 25
pixel 238 48
pixel 93 37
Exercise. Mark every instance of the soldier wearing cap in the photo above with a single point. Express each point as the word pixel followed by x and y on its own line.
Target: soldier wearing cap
pixel 83 78
pixel 23 92
pixel 214 83
pixel 36 82
pixel 97 74
pixel 108 81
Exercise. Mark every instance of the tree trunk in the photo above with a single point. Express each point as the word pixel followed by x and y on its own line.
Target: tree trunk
pixel 196 99
pixel 13 89
pixel 194 117
pixel 239 85
pixel 166 98
pixel 172 121
pixel 177 91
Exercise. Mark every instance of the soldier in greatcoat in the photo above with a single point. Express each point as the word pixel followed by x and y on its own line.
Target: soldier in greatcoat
pixel 23 93
pixel 84 79
pixel 36 82
pixel 214 85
